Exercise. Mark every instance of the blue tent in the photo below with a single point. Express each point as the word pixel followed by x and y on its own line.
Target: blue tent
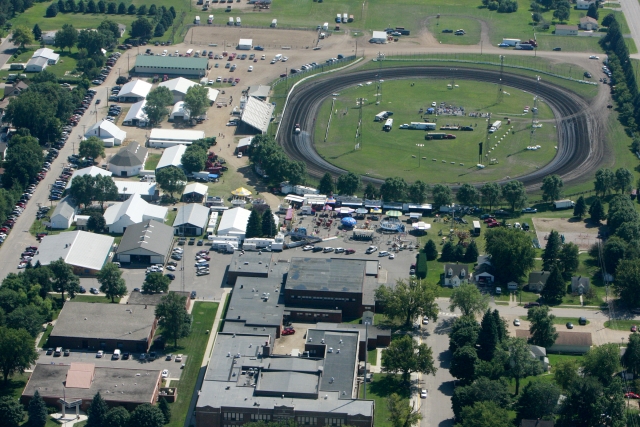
pixel 430 110
pixel 348 221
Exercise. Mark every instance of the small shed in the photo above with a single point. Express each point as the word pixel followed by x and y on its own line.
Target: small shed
pixel 244 144
pixel 245 44
pixel 379 37
pixel 195 192
pixel 566 30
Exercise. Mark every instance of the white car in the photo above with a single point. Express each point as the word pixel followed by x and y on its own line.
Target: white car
pixel 383 253
pixel 425 320
pixel 307 248
pixel 219 79
pixel 339 250
pixel 240 155
pixel 165 373
pixel 22 265
pixel 433 104
pixel 392 256
pixel 171 268
pixel 100 354
pixel 516 322
pixel 285 59
pixel 210 82
pixel 178 250
pixel 423 393
pixel 263 57
pixel 178 358
pixel 250 68
pixel 594 57
pixel 273 61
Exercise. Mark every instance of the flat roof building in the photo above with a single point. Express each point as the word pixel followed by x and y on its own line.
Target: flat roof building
pixel 148 242
pixel 88 326
pixel 164 138
pixel 86 252
pixel 171 65
pixel 249 264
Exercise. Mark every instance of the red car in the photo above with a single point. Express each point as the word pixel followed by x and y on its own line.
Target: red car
pixel 4 230
pixel 237 80
pixel 349 251
pixel 631 395
pixel 634 328
pixel 288 332
pixel 494 224
pixel 205 257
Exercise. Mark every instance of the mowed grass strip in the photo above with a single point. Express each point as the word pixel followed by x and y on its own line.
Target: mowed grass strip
pixel 379 389
pixel 621 325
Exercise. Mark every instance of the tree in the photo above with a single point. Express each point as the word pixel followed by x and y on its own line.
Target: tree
pixel 623 181
pixel 146 415
pixel 21 36
pixel 613 251
pixel 91 6
pixel 491 334
pixel 132 9
pixel 588 400
pixel 122 9
pixel 471 254
pixel 464 331
pixel 66 37
pixel 112 8
pixel 512 253
pixel 401 413
pixel 458 253
pixel 631 357
pixel 194 159
pixel 348 184
pixel 562 13
pixel 596 211
pixel 370 191
pixel 448 252
pixel 417 192
pixel 326 184
pixel 555 288
pixel 174 319
pixel 142 10
pixel 166 410
pixel 28 317
pixel 521 364
pixel 604 182
pixel 171 179
pixel 64 280
pixel 628 231
pixel 551 188
pixel 155 283
pixel 467 195
pixel 111 282
pixel 82 189
pixel 37 32
pixel 91 147
pixel 37 409
pixel 627 282
pixel 97 411
pixel 484 414
pixel 254 225
pixel 196 101
pixel 393 189
pixel 602 362
pixel 464 363
pixel 141 27
pixel 592 12
pixel 431 250
pixel 543 332
pixel 407 301
pixel 11 411
pixel 566 373
pixel 539 400
pixel 17 352
pixel 568 259
pixel 481 390
pixel 468 299
pixel 157 101
pixel 491 194
pixel 116 417
pixel 441 195
pixel 152 9
pixel 405 355
pixel 104 188
pixel 24 158
pixel 96 222
pixel 269 227
pixel 551 250
pixel 81 6
pixel 52 10
pixel 580 209
pixel 515 194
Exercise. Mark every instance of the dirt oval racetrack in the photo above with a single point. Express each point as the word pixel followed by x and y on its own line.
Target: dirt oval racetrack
pixel 581 146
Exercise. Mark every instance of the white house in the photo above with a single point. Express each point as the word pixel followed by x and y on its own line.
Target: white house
pixel 456 275
pixel 178 87
pixel 134 91
pixel 172 156
pixel 64 214
pixel 121 215
pixel 45 52
pixel 36 65
pixel 109 133
pixel 129 160
pixel 136 115
pixel 48 37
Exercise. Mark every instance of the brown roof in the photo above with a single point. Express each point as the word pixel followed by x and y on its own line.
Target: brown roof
pixel 80 375
pixel 564 337
pixel 588 19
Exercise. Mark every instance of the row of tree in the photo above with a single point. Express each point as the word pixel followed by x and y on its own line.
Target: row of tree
pixel 269 156
pixel 87 188
pixel 457 253
pixel 194 158
pixel 502 6
pixel 261 224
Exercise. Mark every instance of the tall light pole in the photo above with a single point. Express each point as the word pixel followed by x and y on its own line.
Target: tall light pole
pixel 419 153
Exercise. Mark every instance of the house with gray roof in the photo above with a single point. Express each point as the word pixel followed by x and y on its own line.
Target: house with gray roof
pixel 456 274
pixel 129 160
pixel 580 285
pixel 64 214
pixel 148 242
pixel 537 280
pixel 191 220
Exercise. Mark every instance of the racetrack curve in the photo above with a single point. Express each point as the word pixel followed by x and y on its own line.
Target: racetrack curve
pixel 581 144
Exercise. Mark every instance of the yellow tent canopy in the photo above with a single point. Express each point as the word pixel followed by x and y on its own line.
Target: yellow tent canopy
pixel 241 191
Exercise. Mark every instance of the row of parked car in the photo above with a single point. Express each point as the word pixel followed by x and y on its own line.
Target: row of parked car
pixel 27 256
pixel 75 118
pixel 59 186
pixel 104 73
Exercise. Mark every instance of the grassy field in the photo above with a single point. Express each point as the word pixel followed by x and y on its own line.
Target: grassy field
pixel 171 217
pixel 194 347
pixel 621 325
pixel 152 161
pixel 45 336
pixel 455 160
pixel 471 27
pixel 381 387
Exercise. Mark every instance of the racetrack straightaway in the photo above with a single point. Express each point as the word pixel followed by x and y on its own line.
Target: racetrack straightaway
pixel 581 145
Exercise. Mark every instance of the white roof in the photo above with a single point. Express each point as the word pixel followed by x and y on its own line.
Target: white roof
pixel 196 187
pixel 180 85
pixel 246 42
pixel 257 114
pixel 180 110
pixel 176 135
pixel 172 156
pixel 39 61
pixel 379 35
pixel 235 219
pixel 193 214
pixel 135 88
pixel 78 248
pixel 245 142
pixel 136 112
pixel 91 170
pixel 136 187
pixel 106 129
pixel 213 94
pixel 135 208
pixel 46 53
pixel 66 208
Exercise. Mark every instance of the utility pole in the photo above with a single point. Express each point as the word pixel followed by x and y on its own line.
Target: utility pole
pixel 419 153
pixel 500 89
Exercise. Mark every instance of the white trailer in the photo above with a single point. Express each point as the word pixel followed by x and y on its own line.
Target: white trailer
pixel 495 126
pixel 511 42
pixel 422 126
pixel 222 246
pixel 210 20
pixel 563 204
pixel 197 20
pixel 388 125
pixel 274 23
pixel 230 22
pixel 325 26
pixel 345 18
pixel 381 116
pixel 238 21
pixel 256 244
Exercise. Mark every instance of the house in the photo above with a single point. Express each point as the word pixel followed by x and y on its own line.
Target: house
pixel 456 274
pixel 566 30
pixel 36 65
pixel 191 220
pixel 482 274
pixel 178 87
pixel 537 280
pixel 136 115
pixel 134 91
pixel 148 242
pixel 539 353
pixel 110 134
pixel 81 222
pixel 172 156
pixel 587 23
pixel 567 341
pixel 48 37
pixel 91 170
pixel 538 422
pixel 584 4
pixel 579 285
pixel 15 89
pixel 64 214
pixel 195 192
pixel 129 160
pixel 85 252
pixel 50 55
pixel 121 215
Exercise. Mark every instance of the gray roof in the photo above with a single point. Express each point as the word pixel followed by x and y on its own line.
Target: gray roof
pixel 142 298
pixel 250 262
pixel 172 62
pixel 539 277
pixel 287 382
pixel 77 248
pixel 104 321
pixel 339 367
pixel 249 303
pixel 580 280
pixel 326 274
pixel 259 91
pixel 373 330
pixel 114 384
pixel 66 207
pixel 193 214
pixel 150 235
pixel 132 155
pixel 456 269
pixel 257 114
pixel 241 327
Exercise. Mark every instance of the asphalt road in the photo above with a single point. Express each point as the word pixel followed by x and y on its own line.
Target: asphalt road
pixel 631 10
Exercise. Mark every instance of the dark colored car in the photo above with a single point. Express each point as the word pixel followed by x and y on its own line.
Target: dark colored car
pixel 532 304
pixel 501 212
pixel 446 30
pixel 582 321
pixel 193 294
pixel 49 351
pixel 125 356
pixel 200 242
pixel 557 49
pixel 192 241
pixel 587 74
pixel 569 325
pixel 317 249
pixel 171 276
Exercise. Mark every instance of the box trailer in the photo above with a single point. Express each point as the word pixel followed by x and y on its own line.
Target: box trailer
pixel 255 244
pixel 435 136
pixel 230 22
pixel 511 42
pixel 495 126
pixel 563 204
pixel 381 116
pixel 524 46
pixel 344 18
pixel 350 18
pixel 274 23
pixel 476 227
pixel 210 20
pixel 238 21
pixel 197 20
pixel 388 125
pixel 422 126
pixel 325 26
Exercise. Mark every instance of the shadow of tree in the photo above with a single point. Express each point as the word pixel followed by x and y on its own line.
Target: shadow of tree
pixel 388 384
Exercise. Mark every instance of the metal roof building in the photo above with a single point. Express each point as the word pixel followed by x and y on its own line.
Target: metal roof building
pixel 134 91
pixel 86 252
pixel 164 138
pixel 234 222
pixel 129 160
pixel 108 132
pixel 91 170
pixel 171 65
pixel 147 190
pixel 172 156
pixel 136 115
pixel 195 192
pixel 148 242
pixel 121 215
pixel 64 214
pixel 178 87
pixel 260 91
pixel 257 114
pixel 191 220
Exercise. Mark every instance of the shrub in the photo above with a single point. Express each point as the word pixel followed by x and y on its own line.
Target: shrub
pixel 421 265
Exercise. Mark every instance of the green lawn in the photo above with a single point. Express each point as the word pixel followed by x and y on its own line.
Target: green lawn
pixel 45 337
pixel 381 387
pixel 561 320
pixel 14 386
pixel 372 357
pixel 193 346
pixel 152 161
pixel 171 217
pixel 621 325
pixel 38 227
pixel 94 299
pixel 452 22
